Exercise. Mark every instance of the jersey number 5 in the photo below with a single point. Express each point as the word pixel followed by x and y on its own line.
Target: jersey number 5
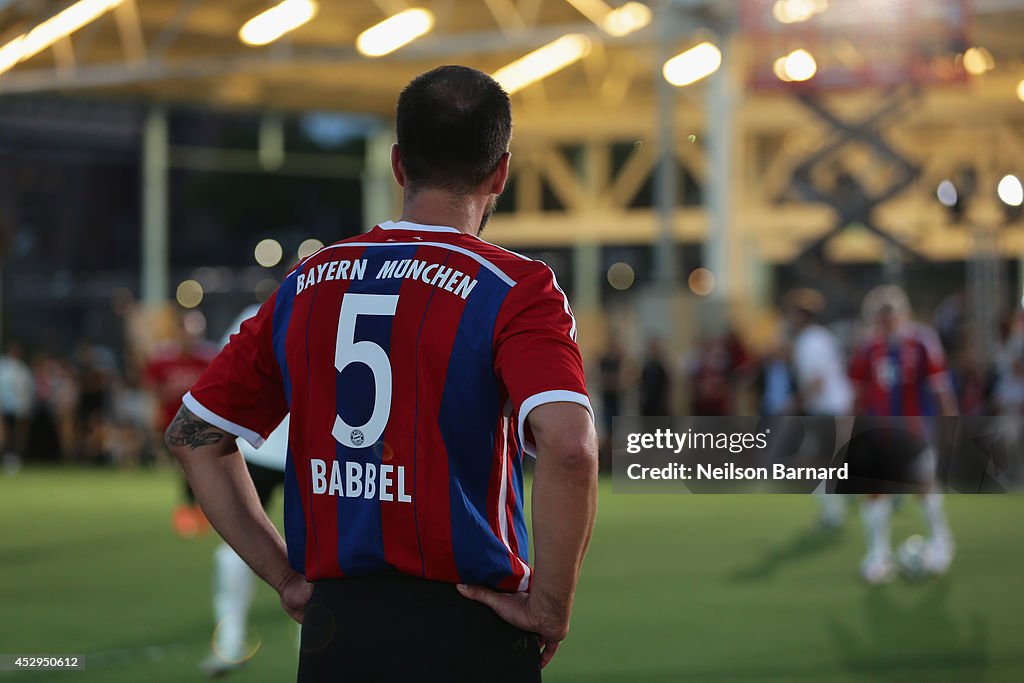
pixel 348 350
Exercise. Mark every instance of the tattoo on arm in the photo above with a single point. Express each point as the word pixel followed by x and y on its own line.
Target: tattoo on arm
pixel 189 430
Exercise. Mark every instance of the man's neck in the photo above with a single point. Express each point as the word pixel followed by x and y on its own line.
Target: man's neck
pixel 437 207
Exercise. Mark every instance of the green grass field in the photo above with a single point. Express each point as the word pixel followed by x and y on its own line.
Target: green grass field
pixel 676 588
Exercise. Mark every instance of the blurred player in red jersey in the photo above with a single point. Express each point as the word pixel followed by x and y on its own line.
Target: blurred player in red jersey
pixel 899 371
pixel 169 374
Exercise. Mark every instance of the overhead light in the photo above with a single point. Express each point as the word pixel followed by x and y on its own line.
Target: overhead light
pixel 696 63
pixel 624 20
pixel 59 26
pixel 543 62
pixel 10 54
pixel 978 60
pixel 798 65
pixel 64 24
pixel 280 19
pixel 395 32
pixel 1020 91
pixel 947 194
pixel 1010 190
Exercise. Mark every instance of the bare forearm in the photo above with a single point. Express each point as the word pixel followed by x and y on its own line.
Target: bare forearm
pixel 564 507
pixel 225 491
pixel 218 477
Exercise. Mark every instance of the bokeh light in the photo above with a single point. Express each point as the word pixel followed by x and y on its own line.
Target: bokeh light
pixel 269 253
pixel 978 60
pixel 793 11
pixel 701 282
pixel 189 294
pixel 946 193
pixel 1010 190
pixel 696 63
pixel 194 323
pixel 309 247
pixel 799 65
pixel 779 68
pixel 621 275
pixel 624 20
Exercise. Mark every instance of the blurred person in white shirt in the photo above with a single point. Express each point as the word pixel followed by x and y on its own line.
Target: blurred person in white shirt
pixel 822 383
pixel 1009 391
pixel 17 399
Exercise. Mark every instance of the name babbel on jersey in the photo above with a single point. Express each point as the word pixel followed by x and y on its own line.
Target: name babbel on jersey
pixel 382 482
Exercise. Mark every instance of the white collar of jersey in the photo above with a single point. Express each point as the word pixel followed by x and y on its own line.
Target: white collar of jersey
pixel 416 227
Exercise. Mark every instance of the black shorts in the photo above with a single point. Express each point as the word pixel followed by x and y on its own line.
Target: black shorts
pixel 392 627
pixel 265 479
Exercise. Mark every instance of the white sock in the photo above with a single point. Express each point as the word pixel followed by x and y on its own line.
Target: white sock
pixel 232 596
pixel 875 513
pixel 935 517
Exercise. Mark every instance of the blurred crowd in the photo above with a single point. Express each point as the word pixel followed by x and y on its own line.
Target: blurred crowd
pixel 94 406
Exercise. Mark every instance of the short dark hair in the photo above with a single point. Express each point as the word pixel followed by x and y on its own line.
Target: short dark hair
pixel 453 125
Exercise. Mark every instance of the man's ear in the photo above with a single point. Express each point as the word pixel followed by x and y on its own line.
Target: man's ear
pixel 500 175
pixel 396 165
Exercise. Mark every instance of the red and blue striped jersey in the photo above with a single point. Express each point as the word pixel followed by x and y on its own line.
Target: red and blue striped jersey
pixel 409 358
pixel 900 376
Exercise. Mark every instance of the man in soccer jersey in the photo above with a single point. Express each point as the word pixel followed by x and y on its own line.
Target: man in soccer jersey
pixel 900 371
pixel 419 364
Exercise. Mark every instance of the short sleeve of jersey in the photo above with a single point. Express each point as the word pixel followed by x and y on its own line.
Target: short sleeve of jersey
pixel 535 356
pixel 242 391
